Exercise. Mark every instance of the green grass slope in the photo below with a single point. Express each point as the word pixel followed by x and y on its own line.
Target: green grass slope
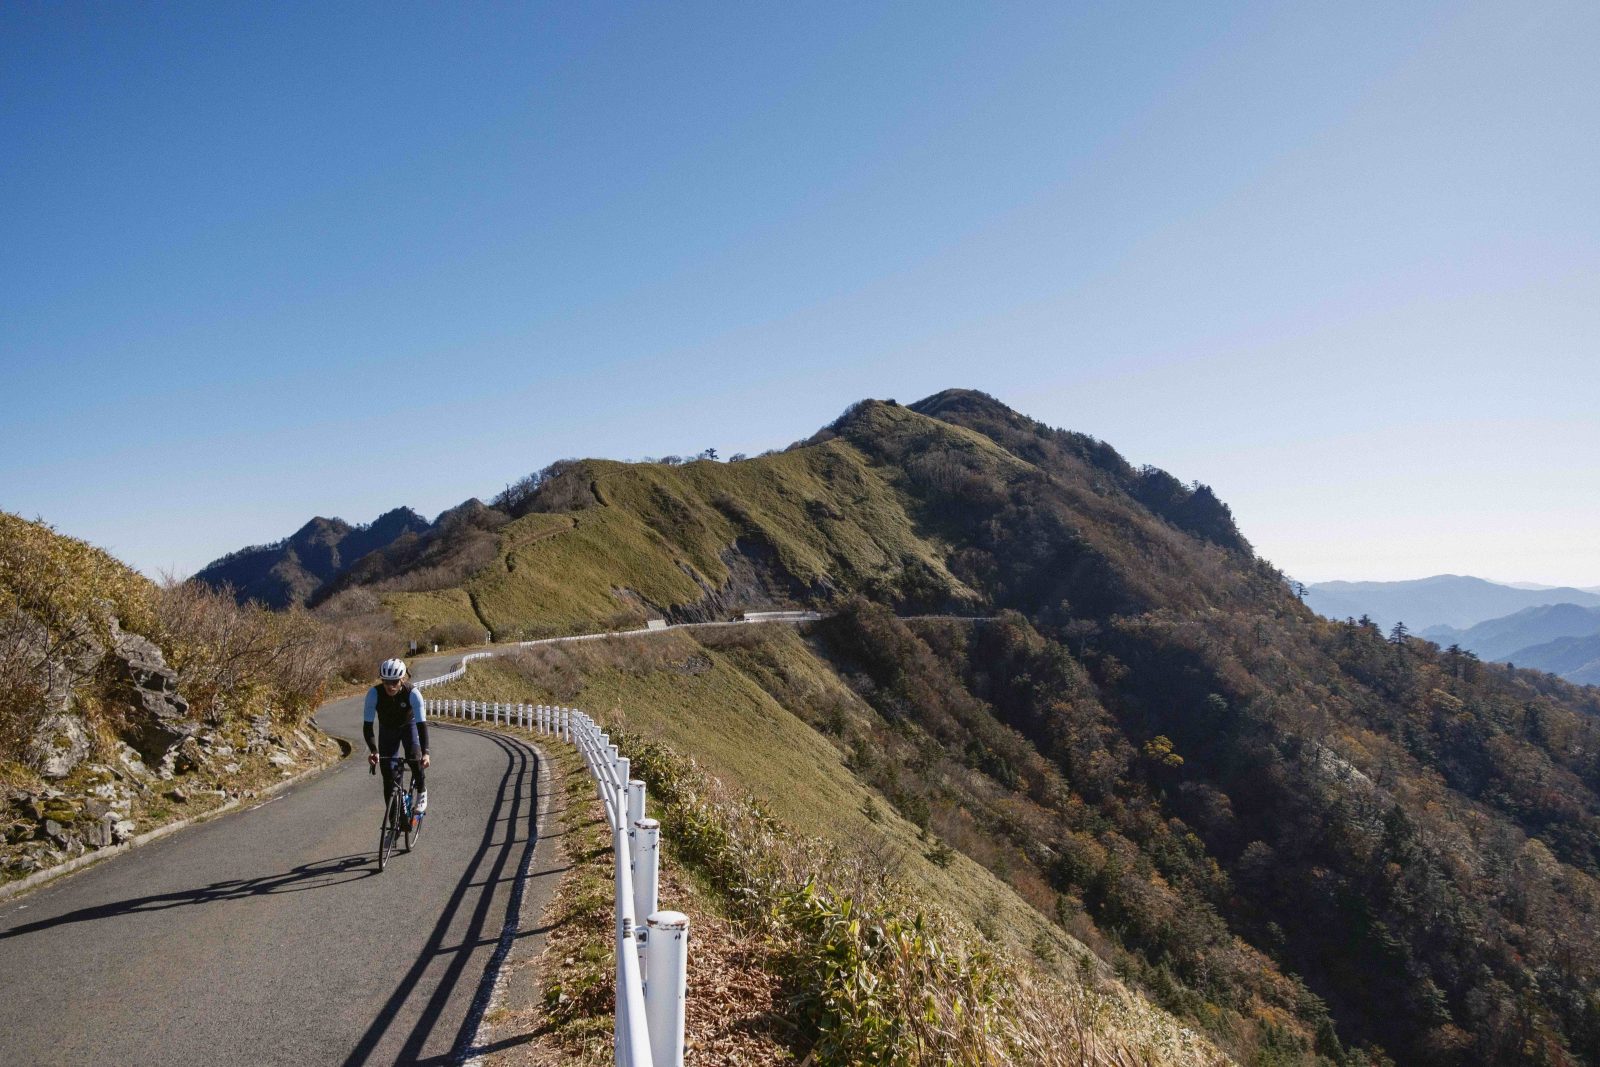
pixel 704 540
pixel 743 705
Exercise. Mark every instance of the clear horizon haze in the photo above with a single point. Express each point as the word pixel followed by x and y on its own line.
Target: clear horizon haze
pixel 1339 262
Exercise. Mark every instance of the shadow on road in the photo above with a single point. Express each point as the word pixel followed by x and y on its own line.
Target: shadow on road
pixel 516 800
pixel 319 874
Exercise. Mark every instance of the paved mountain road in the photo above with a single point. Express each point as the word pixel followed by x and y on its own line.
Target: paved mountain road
pixel 269 937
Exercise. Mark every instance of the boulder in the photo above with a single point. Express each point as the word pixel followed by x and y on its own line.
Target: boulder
pixel 98 834
pixel 59 744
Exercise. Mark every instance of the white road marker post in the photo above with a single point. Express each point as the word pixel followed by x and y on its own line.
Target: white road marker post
pixel 665 986
pixel 635 803
pixel 645 844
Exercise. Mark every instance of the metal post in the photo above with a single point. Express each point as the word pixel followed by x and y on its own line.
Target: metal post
pixel 636 806
pixel 645 844
pixel 664 983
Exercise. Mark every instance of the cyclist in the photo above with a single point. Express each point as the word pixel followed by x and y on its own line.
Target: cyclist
pixel 402 721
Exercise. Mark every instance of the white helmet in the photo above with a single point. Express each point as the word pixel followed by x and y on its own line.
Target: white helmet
pixel 392 670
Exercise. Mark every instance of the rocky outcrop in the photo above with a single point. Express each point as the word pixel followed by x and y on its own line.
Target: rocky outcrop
pixel 97 805
pixel 45 826
pixel 159 718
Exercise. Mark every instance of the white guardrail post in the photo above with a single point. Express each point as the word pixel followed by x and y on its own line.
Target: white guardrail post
pixel 666 984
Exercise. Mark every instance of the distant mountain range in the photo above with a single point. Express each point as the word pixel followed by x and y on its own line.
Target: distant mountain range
pixel 1550 628
pixel 291 571
pixel 1577 659
pixel 1504 638
pixel 1450 600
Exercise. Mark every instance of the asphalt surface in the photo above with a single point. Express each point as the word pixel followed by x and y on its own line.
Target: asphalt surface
pixel 268 936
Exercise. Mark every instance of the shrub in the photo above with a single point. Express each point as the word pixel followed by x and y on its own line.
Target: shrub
pixel 237 660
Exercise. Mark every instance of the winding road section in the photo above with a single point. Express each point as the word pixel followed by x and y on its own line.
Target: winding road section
pixel 269 937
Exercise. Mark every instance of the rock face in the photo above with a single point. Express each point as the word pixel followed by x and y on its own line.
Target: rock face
pixel 159 720
pixel 59 745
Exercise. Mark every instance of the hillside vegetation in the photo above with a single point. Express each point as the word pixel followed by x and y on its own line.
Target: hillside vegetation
pixel 1317 841
pixel 124 704
pixel 864 920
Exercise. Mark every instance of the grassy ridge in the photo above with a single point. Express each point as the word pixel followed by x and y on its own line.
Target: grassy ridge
pixel 655 539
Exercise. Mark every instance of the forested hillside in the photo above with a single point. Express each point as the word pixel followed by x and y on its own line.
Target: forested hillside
pixel 1319 841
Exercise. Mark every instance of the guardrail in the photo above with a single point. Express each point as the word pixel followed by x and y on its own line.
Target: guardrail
pixel 423 683
pixel 651 961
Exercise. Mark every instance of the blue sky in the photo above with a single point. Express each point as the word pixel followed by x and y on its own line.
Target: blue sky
pixel 1340 262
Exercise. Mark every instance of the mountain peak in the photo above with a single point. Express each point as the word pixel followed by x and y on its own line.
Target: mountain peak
pixel 321 527
pixel 969 402
pixel 291 571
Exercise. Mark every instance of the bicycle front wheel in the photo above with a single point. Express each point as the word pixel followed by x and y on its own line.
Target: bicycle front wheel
pixel 408 822
pixel 389 829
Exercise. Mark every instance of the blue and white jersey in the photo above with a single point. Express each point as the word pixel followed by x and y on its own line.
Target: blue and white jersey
pixel 404 707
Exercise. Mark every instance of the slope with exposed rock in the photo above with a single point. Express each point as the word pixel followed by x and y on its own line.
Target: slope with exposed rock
pixel 124 705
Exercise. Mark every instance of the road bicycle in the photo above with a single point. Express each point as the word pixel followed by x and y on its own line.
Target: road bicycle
pixel 401 820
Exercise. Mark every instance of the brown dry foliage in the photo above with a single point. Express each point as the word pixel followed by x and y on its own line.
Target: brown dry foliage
pixel 235 660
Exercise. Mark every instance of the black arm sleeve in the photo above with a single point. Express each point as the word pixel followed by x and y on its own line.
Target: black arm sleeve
pixel 366 732
pixel 422 736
